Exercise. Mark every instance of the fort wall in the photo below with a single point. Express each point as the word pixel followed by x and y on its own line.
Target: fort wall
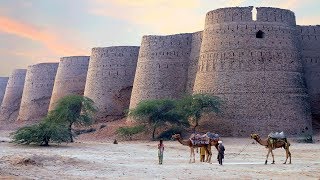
pixel 37 92
pixel 162 68
pixel 309 37
pixel 12 98
pixel 196 40
pixel 256 68
pixel 110 80
pixel 70 78
pixel 3 85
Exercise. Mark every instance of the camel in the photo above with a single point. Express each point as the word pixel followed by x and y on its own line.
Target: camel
pixel 192 146
pixel 281 143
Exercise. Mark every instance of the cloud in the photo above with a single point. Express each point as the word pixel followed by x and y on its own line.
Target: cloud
pixel 52 41
pixel 162 16
pixel 233 3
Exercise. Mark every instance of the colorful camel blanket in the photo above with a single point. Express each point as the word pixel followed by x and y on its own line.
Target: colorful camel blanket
pixel 203 139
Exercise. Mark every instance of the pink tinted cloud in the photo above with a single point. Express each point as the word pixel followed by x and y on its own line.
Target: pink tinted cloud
pixel 49 39
pixel 163 16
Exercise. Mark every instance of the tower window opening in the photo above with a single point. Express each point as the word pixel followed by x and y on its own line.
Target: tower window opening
pixel 260 34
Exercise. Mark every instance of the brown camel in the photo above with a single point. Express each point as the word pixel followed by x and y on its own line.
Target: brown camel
pixel 192 146
pixel 281 143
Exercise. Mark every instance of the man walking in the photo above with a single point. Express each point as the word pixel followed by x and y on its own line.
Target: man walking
pixel 220 152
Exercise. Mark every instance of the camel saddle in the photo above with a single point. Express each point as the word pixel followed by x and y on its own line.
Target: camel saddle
pixel 203 139
pixel 212 136
pixel 277 135
pixel 199 139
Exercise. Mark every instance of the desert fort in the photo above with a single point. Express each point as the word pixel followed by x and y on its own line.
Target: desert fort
pixel 265 69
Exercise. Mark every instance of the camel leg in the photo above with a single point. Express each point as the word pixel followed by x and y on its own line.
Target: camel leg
pixel 269 150
pixel 289 153
pixel 190 155
pixel 209 154
pixel 193 156
pixel 272 157
pixel 286 156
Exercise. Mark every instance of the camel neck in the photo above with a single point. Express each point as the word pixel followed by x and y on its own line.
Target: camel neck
pixel 182 142
pixel 261 142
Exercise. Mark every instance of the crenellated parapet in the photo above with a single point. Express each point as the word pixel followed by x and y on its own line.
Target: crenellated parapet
pixel 229 15
pixel 110 80
pixel 12 98
pixel 3 85
pixel 162 68
pixel 70 78
pixel 37 92
pixel 276 15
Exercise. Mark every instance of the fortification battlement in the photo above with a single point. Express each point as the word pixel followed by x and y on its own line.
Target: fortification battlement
pixel 114 51
pixel 167 40
pixel 231 14
pixel 17 78
pixel 76 60
pixel 268 14
pixel 175 46
pixel 41 71
pixel 72 66
pixel 244 14
pixel 309 30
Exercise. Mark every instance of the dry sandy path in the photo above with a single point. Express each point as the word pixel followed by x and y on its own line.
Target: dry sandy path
pixel 138 160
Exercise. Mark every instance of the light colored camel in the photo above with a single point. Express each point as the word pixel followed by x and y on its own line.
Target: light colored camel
pixel 191 146
pixel 281 143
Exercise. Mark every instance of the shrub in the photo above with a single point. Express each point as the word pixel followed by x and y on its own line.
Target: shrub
pixel 128 132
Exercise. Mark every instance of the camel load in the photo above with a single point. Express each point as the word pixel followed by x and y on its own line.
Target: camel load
pixel 277 135
pixel 203 139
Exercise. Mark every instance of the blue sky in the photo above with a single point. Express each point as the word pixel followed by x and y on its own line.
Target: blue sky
pixel 33 31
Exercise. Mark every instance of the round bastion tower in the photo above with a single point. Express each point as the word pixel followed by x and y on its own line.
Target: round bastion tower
pixel 256 68
pixel 162 68
pixel 70 79
pixel 3 85
pixel 110 79
pixel 310 45
pixel 37 92
pixel 12 98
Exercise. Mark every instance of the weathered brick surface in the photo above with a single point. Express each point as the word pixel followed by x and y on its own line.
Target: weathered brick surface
pixel 37 92
pixel 110 79
pixel 3 85
pixel 261 80
pixel 309 37
pixel 12 98
pixel 162 68
pixel 70 79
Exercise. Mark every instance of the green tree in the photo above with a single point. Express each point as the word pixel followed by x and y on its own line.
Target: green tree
pixel 73 109
pixel 192 107
pixel 43 133
pixel 156 113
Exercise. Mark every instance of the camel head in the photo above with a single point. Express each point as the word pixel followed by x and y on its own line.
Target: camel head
pixel 176 136
pixel 254 136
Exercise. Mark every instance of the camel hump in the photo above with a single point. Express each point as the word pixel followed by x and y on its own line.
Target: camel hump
pixel 277 135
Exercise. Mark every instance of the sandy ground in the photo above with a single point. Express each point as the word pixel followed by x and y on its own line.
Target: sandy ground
pixel 138 160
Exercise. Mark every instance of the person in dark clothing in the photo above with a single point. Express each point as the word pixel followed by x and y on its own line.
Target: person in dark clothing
pixel 221 150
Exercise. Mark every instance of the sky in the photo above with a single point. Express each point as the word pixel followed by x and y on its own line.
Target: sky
pixel 34 31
